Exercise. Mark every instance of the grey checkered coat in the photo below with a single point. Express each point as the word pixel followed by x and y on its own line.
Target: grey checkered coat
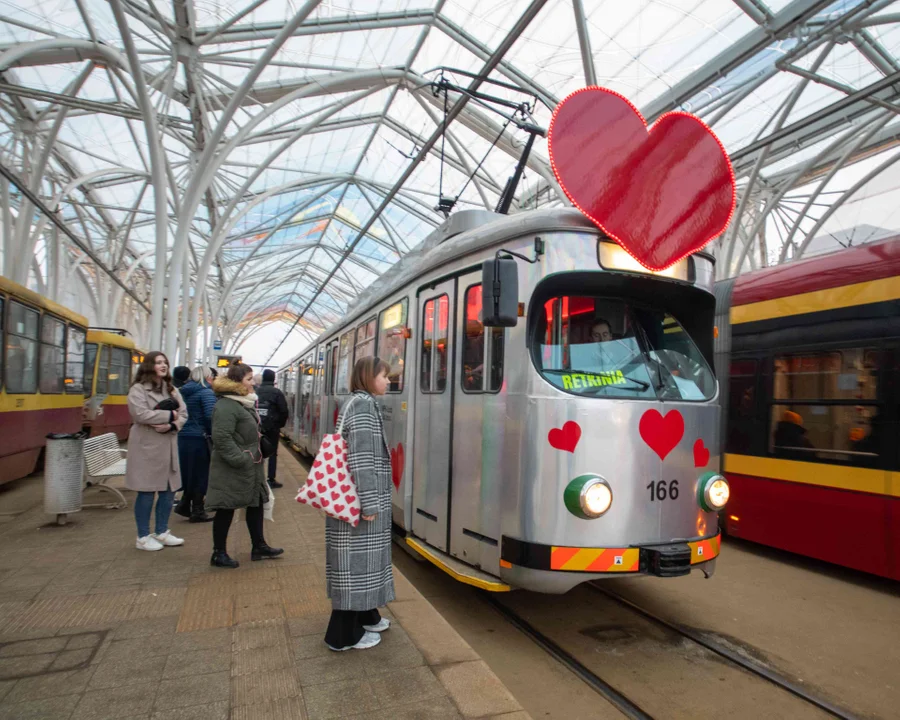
pixel 358 573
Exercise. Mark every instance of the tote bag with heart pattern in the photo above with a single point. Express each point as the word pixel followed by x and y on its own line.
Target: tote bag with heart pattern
pixel 330 486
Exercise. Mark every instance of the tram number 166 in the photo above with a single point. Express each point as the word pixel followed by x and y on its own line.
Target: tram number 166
pixel 663 491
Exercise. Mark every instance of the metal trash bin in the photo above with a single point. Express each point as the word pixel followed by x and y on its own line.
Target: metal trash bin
pixel 63 474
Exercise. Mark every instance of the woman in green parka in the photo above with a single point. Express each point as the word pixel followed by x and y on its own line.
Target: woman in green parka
pixel 236 476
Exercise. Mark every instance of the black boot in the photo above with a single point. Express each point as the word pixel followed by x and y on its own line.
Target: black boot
pixel 274 484
pixel 220 559
pixel 198 511
pixel 264 552
pixel 183 507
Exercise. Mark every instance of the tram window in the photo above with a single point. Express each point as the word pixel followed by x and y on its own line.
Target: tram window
pixel 75 360
pixel 603 347
pixel 435 324
pixel 392 343
pixel 332 383
pixel 119 371
pixel 741 406
pixel 477 353
pixel 811 419
pixel 90 359
pixel 848 374
pixel 53 343
pixel 345 364
pixel 2 320
pixel 103 371
pixel 22 349
pixel 365 339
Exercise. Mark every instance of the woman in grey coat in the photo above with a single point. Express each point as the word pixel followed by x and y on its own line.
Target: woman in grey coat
pixel 358 573
pixel 158 413
pixel 236 477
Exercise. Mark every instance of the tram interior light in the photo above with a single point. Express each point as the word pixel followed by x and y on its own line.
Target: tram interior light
pixel 611 256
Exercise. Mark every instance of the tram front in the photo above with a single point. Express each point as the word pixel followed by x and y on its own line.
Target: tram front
pixel 618 464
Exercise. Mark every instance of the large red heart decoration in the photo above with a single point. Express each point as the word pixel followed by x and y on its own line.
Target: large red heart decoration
pixel 567 438
pixel 398 460
pixel 662 434
pixel 661 193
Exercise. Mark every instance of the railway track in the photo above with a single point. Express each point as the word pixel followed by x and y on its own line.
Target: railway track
pixel 629 706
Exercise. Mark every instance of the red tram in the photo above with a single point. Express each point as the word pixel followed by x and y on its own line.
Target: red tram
pixel 812 354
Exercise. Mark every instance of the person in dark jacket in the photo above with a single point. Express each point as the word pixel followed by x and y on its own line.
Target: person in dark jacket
pixel 790 439
pixel 273 414
pixel 193 445
pixel 236 477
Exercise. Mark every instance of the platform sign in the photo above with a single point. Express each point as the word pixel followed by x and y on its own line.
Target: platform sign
pixel 217 345
pixel 224 361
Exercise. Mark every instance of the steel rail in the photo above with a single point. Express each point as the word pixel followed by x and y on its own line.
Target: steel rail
pixel 730 655
pixel 621 702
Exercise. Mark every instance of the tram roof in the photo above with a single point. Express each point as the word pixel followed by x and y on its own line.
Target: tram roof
pixel 863 263
pixel 37 300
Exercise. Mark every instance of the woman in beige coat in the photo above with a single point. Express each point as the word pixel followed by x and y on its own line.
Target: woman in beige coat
pixel 158 413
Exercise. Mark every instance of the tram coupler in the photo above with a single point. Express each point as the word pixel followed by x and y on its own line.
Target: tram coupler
pixel 666 560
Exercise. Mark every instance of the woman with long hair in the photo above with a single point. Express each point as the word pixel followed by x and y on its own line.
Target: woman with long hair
pixel 358 574
pixel 193 445
pixel 236 476
pixel 157 413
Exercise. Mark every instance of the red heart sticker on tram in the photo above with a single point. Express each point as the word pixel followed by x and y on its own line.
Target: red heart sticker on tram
pixel 662 434
pixel 398 460
pixel 567 438
pixel 662 193
pixel 701 454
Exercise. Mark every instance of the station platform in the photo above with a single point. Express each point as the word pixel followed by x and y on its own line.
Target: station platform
pixel 93 629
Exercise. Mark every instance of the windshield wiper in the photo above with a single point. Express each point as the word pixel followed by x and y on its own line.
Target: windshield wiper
pixel 641 385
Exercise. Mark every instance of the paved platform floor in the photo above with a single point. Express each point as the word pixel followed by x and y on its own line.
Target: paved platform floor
pixel 93 629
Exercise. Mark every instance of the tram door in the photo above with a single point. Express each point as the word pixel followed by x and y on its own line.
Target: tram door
pixel 434 396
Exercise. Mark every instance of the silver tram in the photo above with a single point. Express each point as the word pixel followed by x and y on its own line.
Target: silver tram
pixel 552 412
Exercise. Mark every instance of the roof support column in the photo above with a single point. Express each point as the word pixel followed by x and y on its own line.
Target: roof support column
pixel 157 174
pixel 208 164
pixel 584 42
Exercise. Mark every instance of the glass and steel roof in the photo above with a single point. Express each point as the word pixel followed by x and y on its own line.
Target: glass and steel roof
pixel 245 169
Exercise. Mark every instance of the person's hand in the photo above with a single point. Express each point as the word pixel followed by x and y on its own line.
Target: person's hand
pixel 161 428
pixel 368 518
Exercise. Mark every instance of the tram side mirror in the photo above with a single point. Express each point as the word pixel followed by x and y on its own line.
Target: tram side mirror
pixel 500 286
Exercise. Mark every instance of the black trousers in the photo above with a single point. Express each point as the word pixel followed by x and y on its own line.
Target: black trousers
pixel 345 628
pixel 222 523
pixel 273 436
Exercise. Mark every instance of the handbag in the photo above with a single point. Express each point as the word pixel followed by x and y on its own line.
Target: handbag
pixel 330 487
pixel 266 446
pixel 169 403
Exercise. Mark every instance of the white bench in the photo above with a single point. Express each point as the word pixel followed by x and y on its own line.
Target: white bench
pixel 104 459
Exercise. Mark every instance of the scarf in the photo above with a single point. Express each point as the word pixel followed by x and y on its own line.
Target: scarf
pixel 248 401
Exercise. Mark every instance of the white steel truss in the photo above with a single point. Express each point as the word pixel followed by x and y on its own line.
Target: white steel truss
pixel 196 173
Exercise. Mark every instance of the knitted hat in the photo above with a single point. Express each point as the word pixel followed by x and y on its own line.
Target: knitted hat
pixel 268 375
pixel 180 375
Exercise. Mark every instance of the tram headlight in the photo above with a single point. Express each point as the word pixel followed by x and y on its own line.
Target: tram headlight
pixel 713 492
pixel 588 496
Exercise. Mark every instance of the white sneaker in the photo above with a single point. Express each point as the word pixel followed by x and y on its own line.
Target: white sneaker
pixel 148 542
pixel 368 640
pixel 168 539
pixel 383 624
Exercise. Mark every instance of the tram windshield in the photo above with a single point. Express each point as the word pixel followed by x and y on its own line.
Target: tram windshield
pixel 604 347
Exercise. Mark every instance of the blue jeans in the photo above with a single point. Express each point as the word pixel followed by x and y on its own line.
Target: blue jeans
pixel 143 505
